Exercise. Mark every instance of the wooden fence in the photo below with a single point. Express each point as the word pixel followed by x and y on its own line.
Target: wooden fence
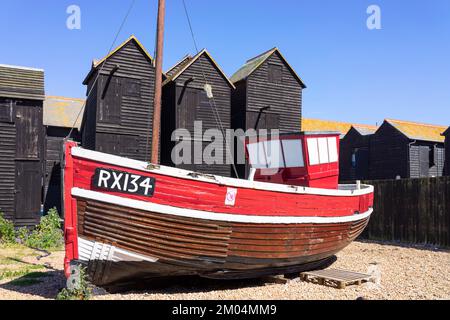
pixel 411 210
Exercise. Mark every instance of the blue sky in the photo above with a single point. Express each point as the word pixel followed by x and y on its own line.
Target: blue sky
pixel 353 74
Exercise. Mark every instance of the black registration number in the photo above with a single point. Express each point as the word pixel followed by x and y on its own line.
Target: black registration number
pixel 114 180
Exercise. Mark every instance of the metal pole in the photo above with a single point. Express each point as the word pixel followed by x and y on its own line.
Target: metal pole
pixel 158 82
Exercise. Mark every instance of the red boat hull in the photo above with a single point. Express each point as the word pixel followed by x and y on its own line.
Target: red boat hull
pixel 189 226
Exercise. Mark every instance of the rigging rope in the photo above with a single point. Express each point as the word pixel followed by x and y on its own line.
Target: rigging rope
pixel 213 105
pixel 101 69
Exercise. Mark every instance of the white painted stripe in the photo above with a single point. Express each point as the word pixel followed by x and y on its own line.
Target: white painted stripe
pixel 182 212
pixel 92 250
pixel 343 191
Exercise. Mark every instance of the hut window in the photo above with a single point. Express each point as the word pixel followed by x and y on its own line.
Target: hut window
pixel 355 151
pixel 275 73
pixel 6 112
pixel 132 88
pixel 433 156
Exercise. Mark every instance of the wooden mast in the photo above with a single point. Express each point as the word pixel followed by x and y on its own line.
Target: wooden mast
pixel 158 82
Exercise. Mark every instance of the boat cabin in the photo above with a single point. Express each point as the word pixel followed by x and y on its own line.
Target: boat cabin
pixel 308 159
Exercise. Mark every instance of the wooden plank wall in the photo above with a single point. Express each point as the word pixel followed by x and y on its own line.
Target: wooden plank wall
pixel 411 210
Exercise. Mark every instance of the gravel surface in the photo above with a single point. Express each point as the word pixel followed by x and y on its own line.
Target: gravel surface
pixel 405 272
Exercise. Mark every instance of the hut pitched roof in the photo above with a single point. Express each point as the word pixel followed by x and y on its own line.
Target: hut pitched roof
pixel 419 131
pixel 253 64
pixel 446 132
pixel 63 112
pixel 342 127
pixel 97 63
pixel 174 72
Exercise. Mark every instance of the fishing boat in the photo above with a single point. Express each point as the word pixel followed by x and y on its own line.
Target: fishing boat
pixel 128 220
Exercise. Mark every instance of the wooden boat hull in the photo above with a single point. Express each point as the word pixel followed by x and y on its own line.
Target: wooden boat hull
pixel 124 238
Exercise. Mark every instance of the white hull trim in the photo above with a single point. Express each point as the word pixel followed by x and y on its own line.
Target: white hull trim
pixel 344 191
pixel 92 250
pixel 206 215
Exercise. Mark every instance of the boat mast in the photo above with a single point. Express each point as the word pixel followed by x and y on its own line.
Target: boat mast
pixel 158 82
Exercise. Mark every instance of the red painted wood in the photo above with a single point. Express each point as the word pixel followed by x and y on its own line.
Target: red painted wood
pixel 70 210
pixel 190 194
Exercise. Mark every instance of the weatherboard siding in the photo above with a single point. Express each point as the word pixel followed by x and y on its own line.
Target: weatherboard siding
pixel 388 154
pixel 7 168
pixel 435 170
pixel 179 113
pixel 447 153
pixel 353 140
pixel 284 99
pixel 136 111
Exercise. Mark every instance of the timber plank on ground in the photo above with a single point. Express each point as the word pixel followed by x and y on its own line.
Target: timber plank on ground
pixel 340 278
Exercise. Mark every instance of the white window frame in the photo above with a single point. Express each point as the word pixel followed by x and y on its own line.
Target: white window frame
pixel 313 151
pixel 333 150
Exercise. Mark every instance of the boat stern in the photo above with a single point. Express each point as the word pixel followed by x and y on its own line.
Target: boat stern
pixel 69 207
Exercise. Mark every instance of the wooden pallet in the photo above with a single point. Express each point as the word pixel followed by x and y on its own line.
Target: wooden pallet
pixel 340 278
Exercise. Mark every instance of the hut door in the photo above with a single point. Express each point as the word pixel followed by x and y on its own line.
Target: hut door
pixel 362 163
pixel 186 111
pixel 28 192
pixel 110 101
pixel 28 182
pixel 424 161
pixel 28 132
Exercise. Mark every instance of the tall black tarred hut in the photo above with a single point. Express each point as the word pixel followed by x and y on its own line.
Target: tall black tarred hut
pixel 21 143
pixel 268 95
pixel 354 153
pixel 62 118
pixel 403 149
pixel 119 110
pixel 446 134
pixel 185 101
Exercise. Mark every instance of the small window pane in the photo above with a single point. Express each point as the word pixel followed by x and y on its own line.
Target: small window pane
pixel 323 150
pixel 6 112
pixel 257 155
pixel 275 73
pixel 274 154
pixel 332 149
pixel 313 152
pixel 293 153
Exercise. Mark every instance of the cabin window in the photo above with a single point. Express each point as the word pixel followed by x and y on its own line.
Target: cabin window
pixel 275 73
pixel 313 151
pixel 322 150
pixel 293 153
pixel 132 88
pixel 6 112
pixel 274 154
pixel 332 150
pixel 257 155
